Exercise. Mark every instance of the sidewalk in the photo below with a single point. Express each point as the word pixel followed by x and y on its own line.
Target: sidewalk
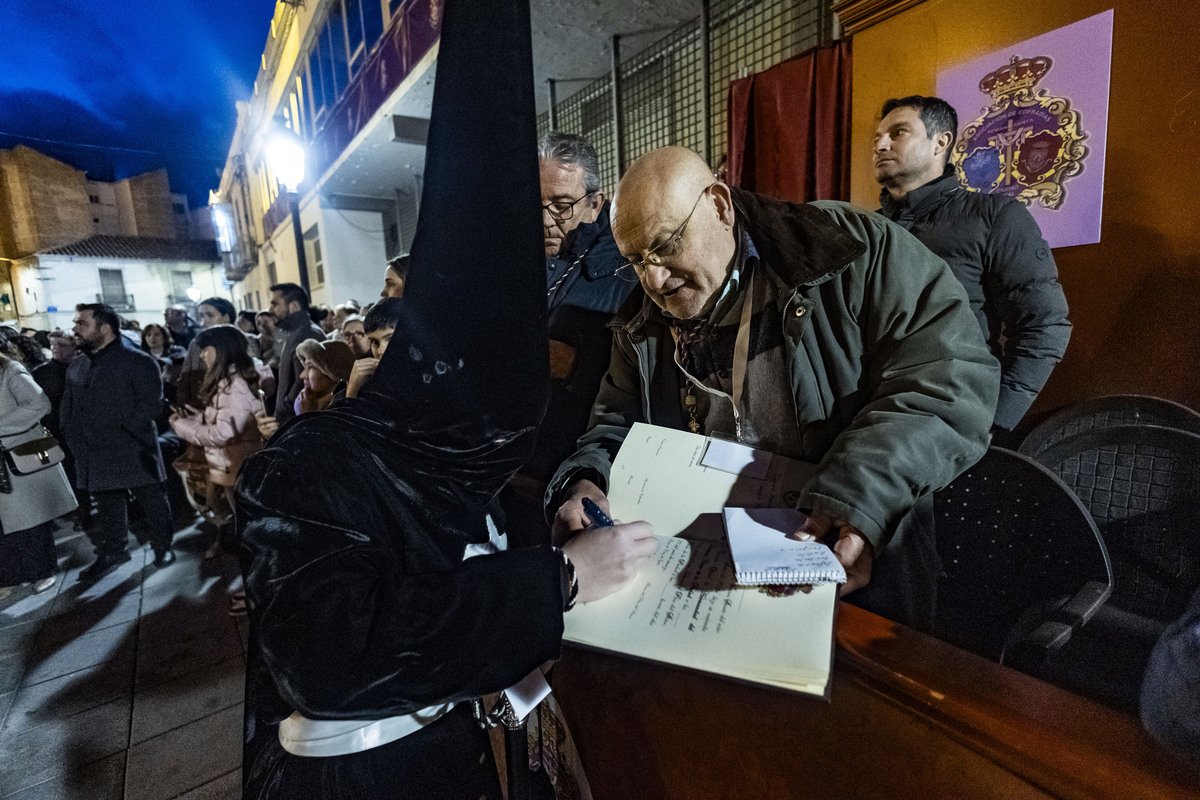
pixel 130 687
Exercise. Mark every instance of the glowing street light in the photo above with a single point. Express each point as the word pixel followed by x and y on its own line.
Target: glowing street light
pixel 285 155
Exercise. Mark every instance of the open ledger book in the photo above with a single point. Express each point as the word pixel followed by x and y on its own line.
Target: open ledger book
pixel 685 607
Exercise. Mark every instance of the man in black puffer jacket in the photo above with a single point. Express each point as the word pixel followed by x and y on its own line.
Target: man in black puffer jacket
pixel 991 242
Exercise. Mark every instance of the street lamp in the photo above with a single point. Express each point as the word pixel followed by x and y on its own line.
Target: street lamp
pixel 285 153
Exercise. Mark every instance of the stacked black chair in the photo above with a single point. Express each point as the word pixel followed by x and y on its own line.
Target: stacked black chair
pixel 1023 564
pixel 1107 412
pixel 1141 485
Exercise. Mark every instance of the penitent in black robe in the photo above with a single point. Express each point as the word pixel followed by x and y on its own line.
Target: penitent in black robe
pixel 354 521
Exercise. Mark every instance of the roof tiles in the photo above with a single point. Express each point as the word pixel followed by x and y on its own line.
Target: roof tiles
pixel 141 248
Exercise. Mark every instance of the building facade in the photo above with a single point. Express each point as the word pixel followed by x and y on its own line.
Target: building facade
pixel 65 240
pixel 352 79
pixel 139 277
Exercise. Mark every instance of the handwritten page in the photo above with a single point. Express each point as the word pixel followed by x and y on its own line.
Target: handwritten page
pixel 764 552
pixel 659 476
pixel 685 609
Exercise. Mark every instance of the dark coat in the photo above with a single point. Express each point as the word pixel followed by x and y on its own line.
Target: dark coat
pixel 584 291
pixel 409 624
pixel 996 250
pixel 184 338
pixel 52 377
pixel 107 414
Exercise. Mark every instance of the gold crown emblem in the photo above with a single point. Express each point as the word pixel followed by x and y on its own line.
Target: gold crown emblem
pixel 1018 73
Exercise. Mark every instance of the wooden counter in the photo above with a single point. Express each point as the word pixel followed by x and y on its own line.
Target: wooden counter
pixel 910 717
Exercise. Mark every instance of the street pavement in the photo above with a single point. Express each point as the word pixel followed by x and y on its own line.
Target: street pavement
pixel 130 687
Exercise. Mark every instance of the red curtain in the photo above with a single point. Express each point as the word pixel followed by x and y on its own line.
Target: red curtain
pixel 789 127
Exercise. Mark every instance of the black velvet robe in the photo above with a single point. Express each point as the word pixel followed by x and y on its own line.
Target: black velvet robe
pixel 361 604
pixel 354 521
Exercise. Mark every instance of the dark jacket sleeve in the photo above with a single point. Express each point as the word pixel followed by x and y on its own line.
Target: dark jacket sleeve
pixel 1023 285
pixel 66 409
pixel 50 379
pixel 348 632
pixel 932 383
pixel 146 395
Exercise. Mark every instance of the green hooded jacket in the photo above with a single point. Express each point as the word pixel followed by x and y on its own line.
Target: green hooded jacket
pixel 893 384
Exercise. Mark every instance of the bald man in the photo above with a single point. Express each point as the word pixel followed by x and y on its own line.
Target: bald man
pixel 859 354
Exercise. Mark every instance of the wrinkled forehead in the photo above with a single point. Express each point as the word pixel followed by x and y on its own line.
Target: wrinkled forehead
pixel 560 181
pixel 646 214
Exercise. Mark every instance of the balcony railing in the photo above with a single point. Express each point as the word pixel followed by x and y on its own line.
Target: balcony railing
pixel 276 214
pixel 239 262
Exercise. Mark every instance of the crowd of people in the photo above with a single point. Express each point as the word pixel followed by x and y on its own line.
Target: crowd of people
pixel 199 395
pixel 136 411
pixel 435 563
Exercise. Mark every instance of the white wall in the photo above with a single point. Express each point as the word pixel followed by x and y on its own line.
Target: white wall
pixel 352 251
pixel 64 281
pixel 354 256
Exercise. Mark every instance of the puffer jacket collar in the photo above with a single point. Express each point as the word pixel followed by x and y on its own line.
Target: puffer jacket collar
pixel 594 239
pixel 919 201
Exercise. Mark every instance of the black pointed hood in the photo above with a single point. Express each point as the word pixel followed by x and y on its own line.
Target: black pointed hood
pixel 464 382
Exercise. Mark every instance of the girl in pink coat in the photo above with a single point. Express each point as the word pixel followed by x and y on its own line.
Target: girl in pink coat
pixel 226 427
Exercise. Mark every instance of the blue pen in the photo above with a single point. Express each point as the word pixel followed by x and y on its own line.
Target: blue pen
pixel 598 517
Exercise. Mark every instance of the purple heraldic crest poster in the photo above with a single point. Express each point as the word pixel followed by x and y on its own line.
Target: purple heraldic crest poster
pixel 1033 120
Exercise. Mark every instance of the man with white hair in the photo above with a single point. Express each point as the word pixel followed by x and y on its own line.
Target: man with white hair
pixel 583 291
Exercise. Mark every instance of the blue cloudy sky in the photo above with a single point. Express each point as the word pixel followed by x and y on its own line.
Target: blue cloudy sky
pixel 127 76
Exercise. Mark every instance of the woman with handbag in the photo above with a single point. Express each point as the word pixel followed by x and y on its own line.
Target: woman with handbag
pixel 225 427
pixel 33 487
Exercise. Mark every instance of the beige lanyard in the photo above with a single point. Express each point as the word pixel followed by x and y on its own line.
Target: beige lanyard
pixel 741 359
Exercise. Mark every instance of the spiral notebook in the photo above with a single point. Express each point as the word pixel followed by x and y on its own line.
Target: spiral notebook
pixel 764 553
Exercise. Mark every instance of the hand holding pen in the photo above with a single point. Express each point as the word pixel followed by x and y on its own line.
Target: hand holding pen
pixel 596 514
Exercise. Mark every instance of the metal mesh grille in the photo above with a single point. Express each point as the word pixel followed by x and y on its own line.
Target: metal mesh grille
pixel 747 36
pixel 662 87
pixel 661 94
pixel 588 113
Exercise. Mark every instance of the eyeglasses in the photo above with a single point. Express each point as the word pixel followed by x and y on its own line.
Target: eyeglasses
pixel 562 210
pixel 668 248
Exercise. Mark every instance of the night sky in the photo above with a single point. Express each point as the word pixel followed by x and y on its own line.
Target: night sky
pixel 133 75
